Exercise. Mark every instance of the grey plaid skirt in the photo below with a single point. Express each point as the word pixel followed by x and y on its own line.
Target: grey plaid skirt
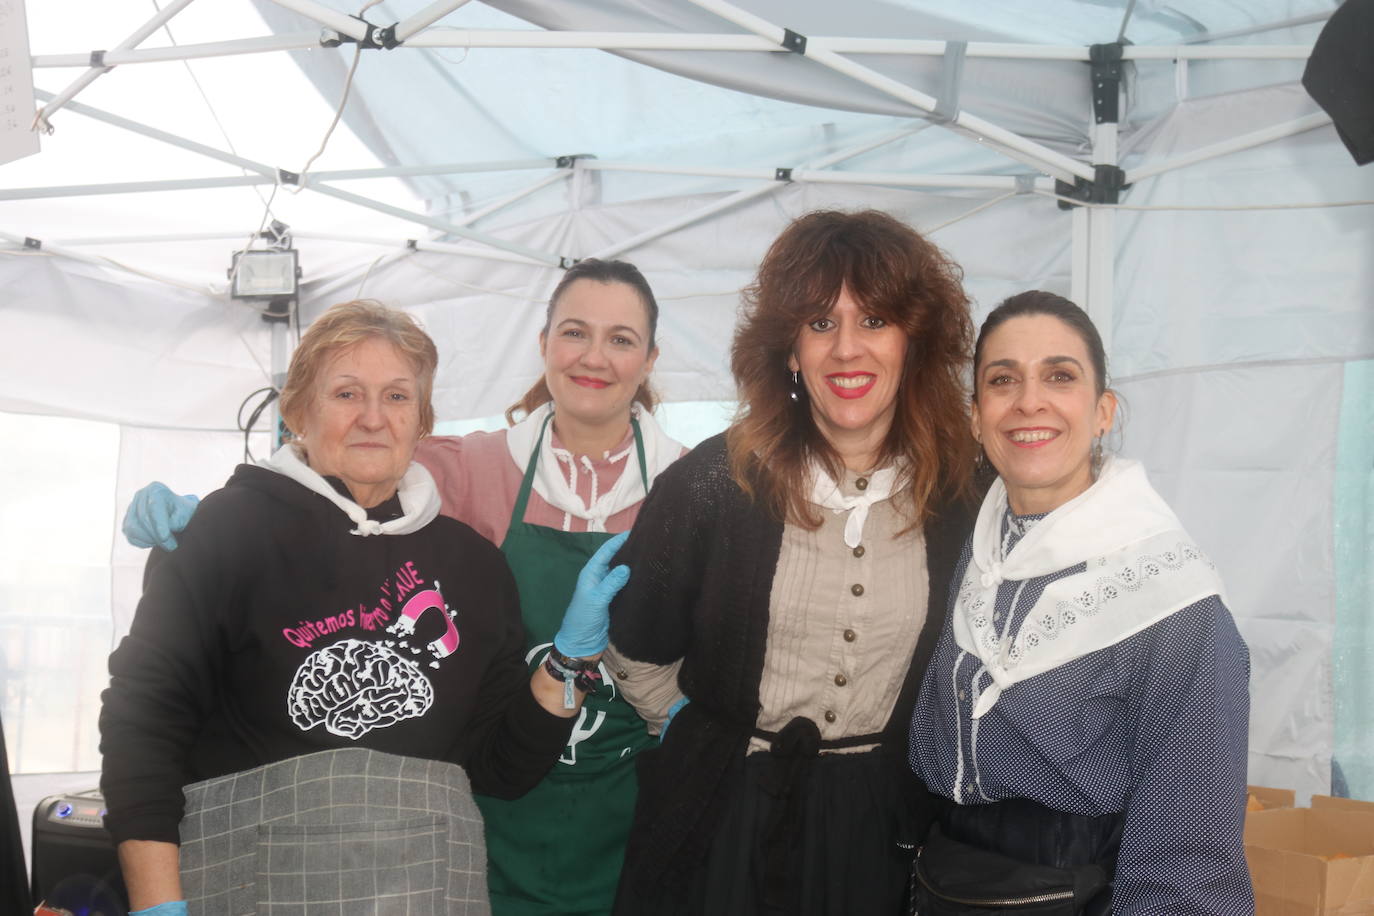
pixel 349 832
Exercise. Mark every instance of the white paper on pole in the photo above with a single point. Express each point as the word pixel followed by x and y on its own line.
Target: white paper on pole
pixel 17 140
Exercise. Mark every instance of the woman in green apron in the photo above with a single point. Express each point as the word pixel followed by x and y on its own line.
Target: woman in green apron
pixel 573 471
pixel 550 490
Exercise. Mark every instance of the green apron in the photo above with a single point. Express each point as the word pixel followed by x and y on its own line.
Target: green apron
pixel 557 851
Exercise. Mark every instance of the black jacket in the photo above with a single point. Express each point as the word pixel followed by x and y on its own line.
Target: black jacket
pixel 271 632
pixel 703 558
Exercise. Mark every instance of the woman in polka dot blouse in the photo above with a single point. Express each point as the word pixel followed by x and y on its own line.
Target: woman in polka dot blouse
pixel 1085 712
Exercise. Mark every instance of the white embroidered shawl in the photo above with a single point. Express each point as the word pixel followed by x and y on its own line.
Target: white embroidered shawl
pixel 1141 567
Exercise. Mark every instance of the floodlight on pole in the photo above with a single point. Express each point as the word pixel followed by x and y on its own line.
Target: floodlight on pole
pixel 267 271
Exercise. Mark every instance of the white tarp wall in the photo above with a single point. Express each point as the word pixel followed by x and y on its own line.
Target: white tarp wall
pixel 1240 314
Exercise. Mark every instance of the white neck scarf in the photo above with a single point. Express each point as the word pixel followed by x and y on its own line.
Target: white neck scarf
pixel 419 496
pixel 1141 567
pixel 825 492
pixel 560 491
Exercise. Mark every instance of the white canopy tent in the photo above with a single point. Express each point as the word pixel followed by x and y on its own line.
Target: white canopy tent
pixel 1215 227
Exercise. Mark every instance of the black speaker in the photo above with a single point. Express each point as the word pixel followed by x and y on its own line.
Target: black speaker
pixel 1340 75
pixel 74 862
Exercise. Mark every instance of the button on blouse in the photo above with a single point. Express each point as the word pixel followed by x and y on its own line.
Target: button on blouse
pixel 824 595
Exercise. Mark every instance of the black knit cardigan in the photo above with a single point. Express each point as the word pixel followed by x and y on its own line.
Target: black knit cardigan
pixel 702 559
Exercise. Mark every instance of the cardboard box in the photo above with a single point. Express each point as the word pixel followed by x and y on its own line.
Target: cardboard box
pixel 1267 798
pixel 1341 804
pixel 1312 861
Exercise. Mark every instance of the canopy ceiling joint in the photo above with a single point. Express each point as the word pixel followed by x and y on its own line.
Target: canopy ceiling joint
pixel 794 41
pixel 1105 61
pixel 1109 179
pixel 373 38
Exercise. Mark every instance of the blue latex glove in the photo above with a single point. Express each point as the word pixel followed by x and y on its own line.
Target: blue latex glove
pixel 586 624
pixel 155 515
pixel 173 908
pixel 672 711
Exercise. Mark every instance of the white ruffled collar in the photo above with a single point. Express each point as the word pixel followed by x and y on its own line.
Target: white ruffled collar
pixel 555 478
pixel 418 495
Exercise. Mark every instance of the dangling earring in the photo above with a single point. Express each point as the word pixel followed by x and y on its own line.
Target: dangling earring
pixel 795 394
pixel 1096 457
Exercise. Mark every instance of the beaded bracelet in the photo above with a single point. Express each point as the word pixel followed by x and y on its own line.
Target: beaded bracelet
pixel 572 664
pixel 584 679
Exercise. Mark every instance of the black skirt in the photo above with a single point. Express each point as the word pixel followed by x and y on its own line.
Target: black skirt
pixel 837 841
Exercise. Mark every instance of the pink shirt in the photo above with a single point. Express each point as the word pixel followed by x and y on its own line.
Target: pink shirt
pixel 478 482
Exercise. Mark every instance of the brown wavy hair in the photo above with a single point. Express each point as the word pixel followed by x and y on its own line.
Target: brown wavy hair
pixel 895 274
pixel 344 326
pixel 605 272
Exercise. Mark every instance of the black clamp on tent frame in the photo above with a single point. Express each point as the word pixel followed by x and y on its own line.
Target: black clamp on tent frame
pixel 386 37
pixel 1105 188
pixel 1108 180
pixel 285 177
pixel 567 162
pixel 794 42
pixel 782 174
pixel 1106 69
pixel 564 262
pixel 370 40
pixel 98 60
pixel 32 243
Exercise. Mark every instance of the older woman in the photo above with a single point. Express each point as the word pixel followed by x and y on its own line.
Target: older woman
pixel 1084 718
pixel 789 578
pixel 573 469
pixel 316 603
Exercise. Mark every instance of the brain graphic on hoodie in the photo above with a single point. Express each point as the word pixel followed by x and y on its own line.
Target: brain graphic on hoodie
pixel 353 687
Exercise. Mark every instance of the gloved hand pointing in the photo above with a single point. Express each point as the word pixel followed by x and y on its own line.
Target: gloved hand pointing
pixel 156 514
pixel 587 622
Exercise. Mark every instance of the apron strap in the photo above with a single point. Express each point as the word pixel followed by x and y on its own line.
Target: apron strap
pixel 517 515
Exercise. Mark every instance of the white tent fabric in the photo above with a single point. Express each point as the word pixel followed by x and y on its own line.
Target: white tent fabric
pixel 1235 292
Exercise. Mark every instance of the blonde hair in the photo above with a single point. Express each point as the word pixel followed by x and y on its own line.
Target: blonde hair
pixel 344 326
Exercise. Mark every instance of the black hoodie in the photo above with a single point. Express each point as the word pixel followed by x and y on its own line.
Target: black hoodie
pixel 272 632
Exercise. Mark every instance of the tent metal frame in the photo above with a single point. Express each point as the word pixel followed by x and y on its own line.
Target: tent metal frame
pixel 1093 228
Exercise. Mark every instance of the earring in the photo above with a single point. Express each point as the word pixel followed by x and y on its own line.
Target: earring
pixel 795 394
pixel 1096 457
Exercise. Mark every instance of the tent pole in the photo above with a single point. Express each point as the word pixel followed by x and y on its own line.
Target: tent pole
pixel 333 19
pixel 1233 145
pixel 425 18
pixel 132 187
pixel 97 69
pixel 502 203
pixel 1078 255
pixel 411 216
pixel 49 250
pixel 288 41
pixel 1008 143
pixel 1101 224
pixel 171 139
pixel 747 194
pixel 654 41
pixel 904 47
pixel 530 254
